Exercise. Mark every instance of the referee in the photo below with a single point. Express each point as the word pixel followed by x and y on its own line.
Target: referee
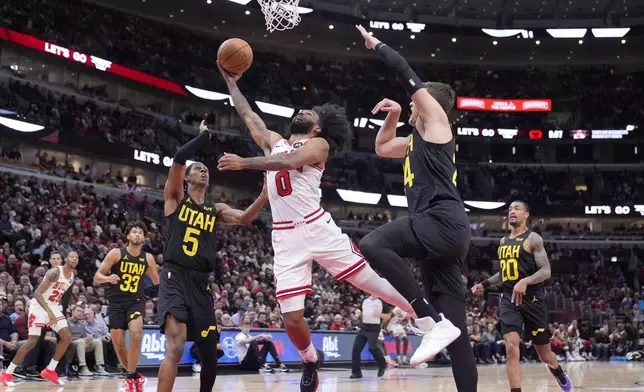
pixel 372 311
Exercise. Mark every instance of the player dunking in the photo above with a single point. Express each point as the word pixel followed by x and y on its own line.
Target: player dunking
pixel 186 306
pixel 437 229
pixel 302 230
pixel 46 311
pixel 124 270
pixel 524 265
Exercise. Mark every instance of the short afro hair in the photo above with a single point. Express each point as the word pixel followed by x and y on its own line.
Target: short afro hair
pixel 335 128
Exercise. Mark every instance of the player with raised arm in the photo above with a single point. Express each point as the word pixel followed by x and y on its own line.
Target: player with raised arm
pixel 302 230
pixel 437 230
pixel 524 266
pixel 186 307
pixel 124 270
pixel 46 311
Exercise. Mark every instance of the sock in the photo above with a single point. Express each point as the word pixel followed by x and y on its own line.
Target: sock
pixel 558 373
pixel 404 357
pixel 423 308
pixel 309 354
pixel 132 375
pixel 52 365
pixel 515 389
pixel 387 358
pixel 11 368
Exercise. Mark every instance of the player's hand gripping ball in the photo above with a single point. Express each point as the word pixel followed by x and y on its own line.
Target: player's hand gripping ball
pixel 235 56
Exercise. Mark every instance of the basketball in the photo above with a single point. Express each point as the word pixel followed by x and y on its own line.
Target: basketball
pixel 235 55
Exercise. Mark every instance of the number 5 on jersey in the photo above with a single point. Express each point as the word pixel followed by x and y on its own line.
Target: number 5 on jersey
pixel 191 241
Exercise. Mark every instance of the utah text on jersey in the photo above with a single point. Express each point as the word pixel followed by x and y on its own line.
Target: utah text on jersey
pixel 198 219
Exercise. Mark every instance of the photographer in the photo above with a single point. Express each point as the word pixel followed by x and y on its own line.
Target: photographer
pixel 250 356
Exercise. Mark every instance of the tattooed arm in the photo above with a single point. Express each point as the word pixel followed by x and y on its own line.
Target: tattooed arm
pixel 535 246
pixel 261 135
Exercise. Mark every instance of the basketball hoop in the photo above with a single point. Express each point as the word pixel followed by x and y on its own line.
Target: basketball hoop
pixel 280 15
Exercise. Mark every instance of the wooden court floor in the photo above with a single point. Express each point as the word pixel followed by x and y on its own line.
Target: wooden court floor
pixel 595 376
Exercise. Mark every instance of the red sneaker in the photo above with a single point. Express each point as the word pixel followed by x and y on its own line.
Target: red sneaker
pixel 51 375
pixel 6 379
pixel 140 383
pixel 128 385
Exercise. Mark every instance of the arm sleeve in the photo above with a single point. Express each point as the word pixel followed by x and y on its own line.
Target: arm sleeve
pixel 65 300
pixel 408 78
pixel 189 149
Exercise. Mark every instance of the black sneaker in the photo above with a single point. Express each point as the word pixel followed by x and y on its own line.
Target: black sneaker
pixel 310 380
pixel 20 372
pixel 382 371
pixel 32 372
pixel 353 375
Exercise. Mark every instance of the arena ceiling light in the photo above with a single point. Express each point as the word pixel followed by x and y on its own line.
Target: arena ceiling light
pixel 304 10
pixel 397 201
pixel 567 33
pixel 209 95
pixel 20 126
pixel 242 2
pixel 363 122
pixel 359 197
pixel 485 205
pixel 401 201
pixel 506 33
pixel 276 110
pixel 610 32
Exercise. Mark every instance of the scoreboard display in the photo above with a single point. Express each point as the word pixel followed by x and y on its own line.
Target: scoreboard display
pixel 630 132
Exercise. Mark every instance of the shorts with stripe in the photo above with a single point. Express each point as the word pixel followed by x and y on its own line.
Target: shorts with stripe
pixel 38 319
pixel 297 244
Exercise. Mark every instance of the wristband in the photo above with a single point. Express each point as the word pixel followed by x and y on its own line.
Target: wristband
pixel 486 284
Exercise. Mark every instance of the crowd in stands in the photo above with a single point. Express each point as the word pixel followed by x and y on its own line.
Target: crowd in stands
pixel 600 94
pixel 41 217
pixel 82 120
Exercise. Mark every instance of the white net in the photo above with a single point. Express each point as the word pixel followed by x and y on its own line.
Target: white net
pixel 280 15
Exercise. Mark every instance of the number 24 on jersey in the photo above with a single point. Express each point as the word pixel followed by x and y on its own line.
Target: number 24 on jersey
pixel 408 175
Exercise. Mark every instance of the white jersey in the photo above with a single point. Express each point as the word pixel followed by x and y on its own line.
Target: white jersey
pixel 293 194
pixel 55 291
pixel 397 316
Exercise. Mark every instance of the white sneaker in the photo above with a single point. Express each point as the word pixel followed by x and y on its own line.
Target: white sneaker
pixel 196 368
pixel 437 336
pixel 266 369
pixel 100 370
pixel 422 366
pixel 282 368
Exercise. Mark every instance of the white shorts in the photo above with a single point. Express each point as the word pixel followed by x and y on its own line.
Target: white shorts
pixel 396 330
pixel 38 319
pixel 296 244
